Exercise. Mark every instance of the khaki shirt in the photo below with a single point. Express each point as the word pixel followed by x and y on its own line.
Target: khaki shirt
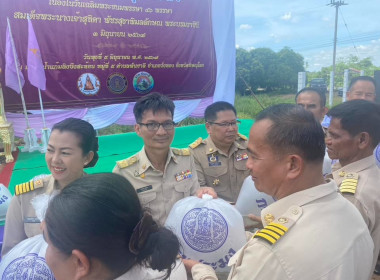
pixel 21 220
pixel 156 190
pixel 364 176
pixel 224 172
pixel 316 234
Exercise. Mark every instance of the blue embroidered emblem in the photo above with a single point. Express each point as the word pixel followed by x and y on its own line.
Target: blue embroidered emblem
pixel 203 229
pixel 29 267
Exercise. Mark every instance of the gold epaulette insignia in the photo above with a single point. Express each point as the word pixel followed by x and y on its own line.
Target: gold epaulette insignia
pixel 127 162
pixel 35 183
pixel 349 183
pixel 181 152
pixel 196 143
pixel 271 233
pixel 242 136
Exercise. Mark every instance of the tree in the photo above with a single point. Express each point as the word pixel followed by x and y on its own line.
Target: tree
pixel 350 62
pixel 262 67
pixel 291 63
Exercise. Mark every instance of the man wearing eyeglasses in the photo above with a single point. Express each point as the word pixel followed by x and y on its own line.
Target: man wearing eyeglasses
pixel 160 174
pixel 221 158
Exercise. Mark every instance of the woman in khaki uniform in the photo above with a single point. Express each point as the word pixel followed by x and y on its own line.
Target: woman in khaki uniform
pixel 72 146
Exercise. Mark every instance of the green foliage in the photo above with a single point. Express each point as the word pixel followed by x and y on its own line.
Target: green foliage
pixel 191 121
pixel 115 129
pixel 247 107
pixel 350 62
pixel 266 69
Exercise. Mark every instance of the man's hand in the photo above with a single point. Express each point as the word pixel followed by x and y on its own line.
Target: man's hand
pixel 206 190
pixel 189 264
pixel 256 222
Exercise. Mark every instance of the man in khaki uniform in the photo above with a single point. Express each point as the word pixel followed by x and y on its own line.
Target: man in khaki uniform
pixel 311 231
pixel 221 158
pixel 362 87
pixel 313 100
pixel 161 175
pixel 21 220
pixel 352 136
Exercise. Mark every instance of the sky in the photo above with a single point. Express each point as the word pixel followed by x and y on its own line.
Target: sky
pixel 307 27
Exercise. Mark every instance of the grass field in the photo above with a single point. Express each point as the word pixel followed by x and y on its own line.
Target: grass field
pixel 247 107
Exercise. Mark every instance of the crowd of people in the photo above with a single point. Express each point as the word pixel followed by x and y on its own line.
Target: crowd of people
pixel 323 225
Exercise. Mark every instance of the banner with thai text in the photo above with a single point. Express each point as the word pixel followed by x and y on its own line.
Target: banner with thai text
pixel 112 51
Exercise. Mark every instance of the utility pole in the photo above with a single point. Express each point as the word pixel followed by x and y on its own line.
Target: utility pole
pixel 335 4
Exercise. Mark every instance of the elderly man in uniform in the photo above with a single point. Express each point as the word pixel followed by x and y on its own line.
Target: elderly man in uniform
pixel 221 158
pixel 352 135
pixel 311 231
pixel 160 174
pixel 362 87
pixel 313 100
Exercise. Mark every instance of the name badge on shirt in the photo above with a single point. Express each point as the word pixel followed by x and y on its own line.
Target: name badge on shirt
pixel 31 220
pixel 240 157
pixel 144 189
pixel 183 175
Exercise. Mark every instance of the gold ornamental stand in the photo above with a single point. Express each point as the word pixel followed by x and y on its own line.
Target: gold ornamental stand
pixel 6 132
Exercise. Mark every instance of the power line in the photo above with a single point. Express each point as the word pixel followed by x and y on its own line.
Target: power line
pixel 348 31
pixel 340 41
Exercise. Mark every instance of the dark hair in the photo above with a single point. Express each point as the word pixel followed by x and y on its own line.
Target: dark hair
pixel 294 130
pixel 361 78
pixel 155 102
pixel 86 132
pixel 322 95
pixel 213 109
pixel 99 215
pixel 359 116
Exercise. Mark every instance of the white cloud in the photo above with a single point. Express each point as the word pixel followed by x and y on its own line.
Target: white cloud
pixel 245 26
pixel 287 16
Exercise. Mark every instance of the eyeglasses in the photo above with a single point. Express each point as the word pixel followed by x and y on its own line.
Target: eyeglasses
pixel 156 126
pixel 226 124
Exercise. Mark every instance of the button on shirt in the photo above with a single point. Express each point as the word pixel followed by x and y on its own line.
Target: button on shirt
pixel 367 196
pixel 224 172
pixel 158 190
pixel 326 239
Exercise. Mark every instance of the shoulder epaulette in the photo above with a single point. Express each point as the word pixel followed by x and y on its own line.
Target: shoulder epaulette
pixel 181 152
pixel 127 162
pixel 349 183
pixel 271 233
pixel 242 136
pixel 196 143
pixel 35 183
pixel 277 227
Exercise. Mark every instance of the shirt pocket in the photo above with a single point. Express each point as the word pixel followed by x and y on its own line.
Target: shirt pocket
pixel 32 229
pixel 217 175
pixel 146 198
pixel 240 165
pixel 183 188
